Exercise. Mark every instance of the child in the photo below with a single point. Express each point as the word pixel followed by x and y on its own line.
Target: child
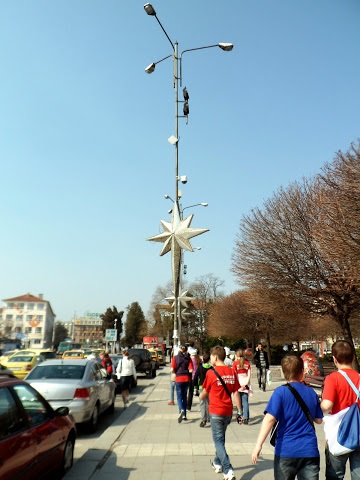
pixel 199 378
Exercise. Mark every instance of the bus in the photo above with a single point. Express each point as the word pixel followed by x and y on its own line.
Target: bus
pixel 68 345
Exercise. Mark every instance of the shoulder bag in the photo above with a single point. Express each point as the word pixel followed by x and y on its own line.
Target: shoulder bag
pixel 273 433
pixel 342 430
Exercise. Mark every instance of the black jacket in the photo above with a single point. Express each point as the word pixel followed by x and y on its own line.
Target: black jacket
pixel 257 359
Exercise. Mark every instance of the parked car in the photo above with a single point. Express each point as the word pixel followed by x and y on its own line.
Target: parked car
pixel 161 357
pixel 74 354
pixel 143 361
pixel 35 440
pixel 6 355
pixel 81 385
pixel 155 357
pixel 115 358
pixel 46 353
pixel 22 363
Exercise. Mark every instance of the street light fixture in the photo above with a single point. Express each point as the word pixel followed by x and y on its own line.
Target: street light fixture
pixel 174 140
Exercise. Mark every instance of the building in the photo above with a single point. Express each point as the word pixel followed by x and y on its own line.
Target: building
pixel 29 319
pixel 88 330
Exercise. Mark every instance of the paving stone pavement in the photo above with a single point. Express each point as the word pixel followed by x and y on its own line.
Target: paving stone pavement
pixel 147 442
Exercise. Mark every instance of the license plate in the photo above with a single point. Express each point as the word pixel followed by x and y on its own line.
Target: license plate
pixel 15 368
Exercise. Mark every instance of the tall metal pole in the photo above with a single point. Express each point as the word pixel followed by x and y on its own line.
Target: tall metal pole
pixel 177 278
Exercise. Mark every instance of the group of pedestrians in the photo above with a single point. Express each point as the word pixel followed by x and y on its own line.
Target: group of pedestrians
pixel 291 411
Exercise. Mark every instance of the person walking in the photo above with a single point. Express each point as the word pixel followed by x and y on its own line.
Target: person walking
pixel 261 360
pixel 336 396
pixel 296 448
pixel 199 378
pixel 126 373
pixel 106 362
pixel 242 368
pixel 181 365
pixel 196 361
pixel 219 385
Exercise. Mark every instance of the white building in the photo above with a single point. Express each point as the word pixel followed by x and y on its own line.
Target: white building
pixel 29 319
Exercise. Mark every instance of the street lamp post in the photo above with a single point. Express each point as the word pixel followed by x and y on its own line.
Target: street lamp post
pixel 174 139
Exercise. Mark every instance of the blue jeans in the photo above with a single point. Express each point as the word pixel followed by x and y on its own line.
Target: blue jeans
pixel 336 466
pixel 300 468
pixel 172 391
pixel 181 395
pixel 219 425
pixel 245 404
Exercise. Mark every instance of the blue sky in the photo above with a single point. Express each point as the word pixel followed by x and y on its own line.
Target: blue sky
pixel 85 160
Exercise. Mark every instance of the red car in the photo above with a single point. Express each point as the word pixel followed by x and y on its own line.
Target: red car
pixel 35 440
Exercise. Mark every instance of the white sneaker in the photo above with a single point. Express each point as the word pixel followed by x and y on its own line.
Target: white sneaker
pixel 217 468
pixel 230 475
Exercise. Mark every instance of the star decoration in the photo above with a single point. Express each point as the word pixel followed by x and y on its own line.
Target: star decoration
pixel 176 237
pixel 183 299
pixel 177 233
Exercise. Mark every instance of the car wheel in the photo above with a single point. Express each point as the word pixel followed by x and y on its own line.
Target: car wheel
pixel 68 457
pixel 93 422
pixel 111 409
pixel 150 373
pixel 153 373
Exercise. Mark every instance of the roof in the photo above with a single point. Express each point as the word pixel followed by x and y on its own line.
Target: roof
pixel 25 298
pixel 29 298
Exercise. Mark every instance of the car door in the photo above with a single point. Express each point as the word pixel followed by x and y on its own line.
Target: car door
pixel 17 443
pixel 49 438
pixel 102 386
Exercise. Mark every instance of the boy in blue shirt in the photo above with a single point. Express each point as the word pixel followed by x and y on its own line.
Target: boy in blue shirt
pixel 296 449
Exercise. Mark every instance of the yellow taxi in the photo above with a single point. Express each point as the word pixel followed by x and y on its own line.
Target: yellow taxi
pixel 47 353
pixel 73 355
pixel 161 356
pixel 154 357
pixel 22 363
pixel 6 355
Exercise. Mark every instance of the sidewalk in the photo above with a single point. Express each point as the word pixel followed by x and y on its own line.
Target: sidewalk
pixel 147 443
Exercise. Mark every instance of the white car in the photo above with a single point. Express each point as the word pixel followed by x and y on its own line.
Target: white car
pixel 80 385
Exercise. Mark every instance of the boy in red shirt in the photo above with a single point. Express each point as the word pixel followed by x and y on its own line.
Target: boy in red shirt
pixel 336 396
pixel 221 407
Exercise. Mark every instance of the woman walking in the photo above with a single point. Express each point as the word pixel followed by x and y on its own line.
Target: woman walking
pixel 126 372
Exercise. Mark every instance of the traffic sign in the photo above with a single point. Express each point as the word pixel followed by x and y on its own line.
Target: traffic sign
pixel 111 335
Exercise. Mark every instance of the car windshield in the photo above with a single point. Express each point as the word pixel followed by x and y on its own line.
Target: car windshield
pixel 70 372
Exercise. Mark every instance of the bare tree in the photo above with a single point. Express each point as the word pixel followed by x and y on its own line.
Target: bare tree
pixel 206 290
pixel 282 248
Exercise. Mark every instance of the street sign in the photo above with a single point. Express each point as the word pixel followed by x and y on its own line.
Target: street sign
pixel 110 335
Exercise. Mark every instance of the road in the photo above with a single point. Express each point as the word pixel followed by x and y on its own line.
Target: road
pixel 85 441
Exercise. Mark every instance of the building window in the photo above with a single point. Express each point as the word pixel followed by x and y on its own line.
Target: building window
pixel 9 318
pixel 30 306
pixel 28 330
pixel 18 330
pixel 29 317
pixel 37 341
pixel 40 306
pixel 38 330
pixel 19 318
pixel 40 318
pixel 10 305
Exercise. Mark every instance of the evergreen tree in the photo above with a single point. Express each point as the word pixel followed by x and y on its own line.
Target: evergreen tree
pixel 112 318
pixel 135 326
pixel 60 334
